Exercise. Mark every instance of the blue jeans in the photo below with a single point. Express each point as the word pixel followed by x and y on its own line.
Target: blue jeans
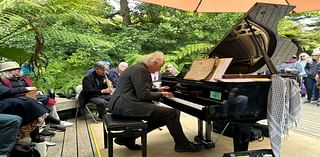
pixel 311 86
pixel 9 128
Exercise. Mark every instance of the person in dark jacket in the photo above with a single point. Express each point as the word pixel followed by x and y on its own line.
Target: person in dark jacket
pixel 134 96
pixel 31 112
pixel 114 74
pixel 311 69
pixel 12 77
pixel 96 88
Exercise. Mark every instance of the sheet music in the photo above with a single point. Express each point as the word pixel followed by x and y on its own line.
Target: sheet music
pixel 188 103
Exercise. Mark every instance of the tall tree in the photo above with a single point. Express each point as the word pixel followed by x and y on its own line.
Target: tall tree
pixel 125 12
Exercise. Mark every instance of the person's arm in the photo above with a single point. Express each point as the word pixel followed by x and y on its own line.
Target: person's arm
pixel 6 92
pixel 142 85
pixel 306 68
pixel 280 68
pixel 88 86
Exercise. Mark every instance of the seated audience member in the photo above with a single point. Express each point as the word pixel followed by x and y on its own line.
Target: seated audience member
pixel 26 69
pixel 31 112
pixel 13 78
pixel 291 67
pixel 114 74
pixel 133 98
pixel 92 70
pixel 96 88
pixel 9 129
pixel 169 71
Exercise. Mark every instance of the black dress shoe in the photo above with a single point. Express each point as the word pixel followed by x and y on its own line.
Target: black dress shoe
pixel 47 133
pixel 37 139
pixel 58 128
pixel 187 147
pixel 130 144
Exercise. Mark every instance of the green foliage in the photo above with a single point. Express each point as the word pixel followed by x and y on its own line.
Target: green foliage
pixel 76 33
pixel 18 55
pixel 305 40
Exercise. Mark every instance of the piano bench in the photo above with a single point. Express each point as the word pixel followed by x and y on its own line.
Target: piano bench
pixel 114 127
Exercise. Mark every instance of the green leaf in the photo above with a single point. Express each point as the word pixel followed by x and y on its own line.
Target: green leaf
pixel 18 55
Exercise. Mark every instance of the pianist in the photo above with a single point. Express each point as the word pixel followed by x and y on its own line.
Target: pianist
pixel 133 99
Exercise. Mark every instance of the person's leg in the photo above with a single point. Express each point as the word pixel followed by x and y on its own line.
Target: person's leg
pixel 309 87
pixel 171 118
pixel 101 105
pixel 9 128
pixel 54 112
pixel 167 116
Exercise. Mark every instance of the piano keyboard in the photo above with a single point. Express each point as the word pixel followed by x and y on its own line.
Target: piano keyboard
pixel 187 103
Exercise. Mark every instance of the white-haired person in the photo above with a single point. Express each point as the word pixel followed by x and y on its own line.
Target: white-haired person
pixel 114 74
pixel 134 96
pixel 303 58
pixel 96 88
pixel 169 71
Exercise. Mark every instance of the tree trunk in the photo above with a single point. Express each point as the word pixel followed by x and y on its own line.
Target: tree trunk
pixel 125 12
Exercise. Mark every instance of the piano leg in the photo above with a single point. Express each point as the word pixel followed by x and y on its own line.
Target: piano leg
pixel 238 143
pixel 207 140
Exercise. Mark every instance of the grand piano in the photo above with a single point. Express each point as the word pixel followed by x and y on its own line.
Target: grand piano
pixel 233 103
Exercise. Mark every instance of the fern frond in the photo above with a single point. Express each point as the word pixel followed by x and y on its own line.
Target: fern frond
pixel 4 4
pixel 191 50
pixel 84 18
pixel 76 37
pixel 133 58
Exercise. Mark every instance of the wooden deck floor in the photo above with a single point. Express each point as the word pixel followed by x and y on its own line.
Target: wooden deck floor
pixel 75 141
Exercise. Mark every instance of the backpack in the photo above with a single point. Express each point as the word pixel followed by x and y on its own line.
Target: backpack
pixel 21 150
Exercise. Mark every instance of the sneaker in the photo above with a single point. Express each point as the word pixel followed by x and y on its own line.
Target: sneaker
pixel 307 101
pixel 130 144
pixel 188 147
pixel 65 123
pixel 58 128
pixel 49 144
pixel 46 132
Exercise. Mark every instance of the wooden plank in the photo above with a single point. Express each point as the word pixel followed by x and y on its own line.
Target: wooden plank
pixel 69 146
pixel 56 150
pixel 65 104
pixel 85 149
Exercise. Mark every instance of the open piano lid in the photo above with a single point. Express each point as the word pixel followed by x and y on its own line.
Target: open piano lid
pixel 254 40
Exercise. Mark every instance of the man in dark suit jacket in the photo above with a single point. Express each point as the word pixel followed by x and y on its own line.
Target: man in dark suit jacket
pixel 134 96
pixel 96 88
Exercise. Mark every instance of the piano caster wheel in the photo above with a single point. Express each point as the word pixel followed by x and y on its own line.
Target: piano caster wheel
pixel 205 143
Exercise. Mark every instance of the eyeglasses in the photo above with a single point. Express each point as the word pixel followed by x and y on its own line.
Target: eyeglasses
pixel 314 55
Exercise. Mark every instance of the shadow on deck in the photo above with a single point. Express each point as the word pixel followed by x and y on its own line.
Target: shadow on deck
pixel 75 141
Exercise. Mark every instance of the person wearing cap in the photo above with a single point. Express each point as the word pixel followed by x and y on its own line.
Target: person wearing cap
pixel 114 74
pixel 12 77
pixel 311 69
pixel 290 67
pixel 13 102
pixel 96 88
